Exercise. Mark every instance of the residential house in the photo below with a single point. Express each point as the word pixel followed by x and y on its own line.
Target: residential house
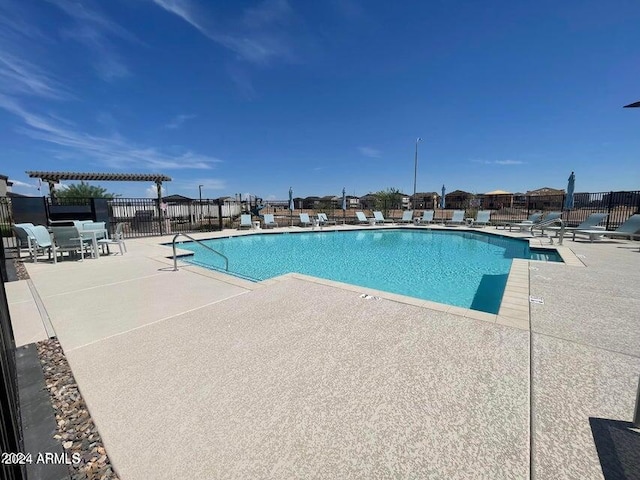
pixel 458 199
pixel 496 200
pixel 545 199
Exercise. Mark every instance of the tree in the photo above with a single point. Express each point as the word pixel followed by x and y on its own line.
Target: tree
pixel 83 190
pixel 388 199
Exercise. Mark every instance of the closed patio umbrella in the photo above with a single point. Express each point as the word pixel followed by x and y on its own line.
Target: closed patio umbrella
pixel 443 202
pixel 344 204
pixel 568 201
pixel 291 205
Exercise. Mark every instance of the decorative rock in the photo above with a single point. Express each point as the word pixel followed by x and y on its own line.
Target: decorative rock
pixel 75 428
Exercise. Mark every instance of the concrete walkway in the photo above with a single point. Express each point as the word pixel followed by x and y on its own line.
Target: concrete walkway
pixel 194 374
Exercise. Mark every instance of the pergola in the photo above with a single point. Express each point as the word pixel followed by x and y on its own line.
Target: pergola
pixel 52 178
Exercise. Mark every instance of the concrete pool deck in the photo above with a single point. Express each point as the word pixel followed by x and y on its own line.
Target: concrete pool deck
pixel 196 374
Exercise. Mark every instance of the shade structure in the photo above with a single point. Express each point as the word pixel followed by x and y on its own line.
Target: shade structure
pixel 291 206
pixel 443 202
pixel 568 201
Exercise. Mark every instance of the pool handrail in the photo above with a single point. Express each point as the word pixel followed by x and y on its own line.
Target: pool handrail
pixel 175 258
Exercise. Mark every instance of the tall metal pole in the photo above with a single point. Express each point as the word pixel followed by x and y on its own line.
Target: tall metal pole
pixel 415 175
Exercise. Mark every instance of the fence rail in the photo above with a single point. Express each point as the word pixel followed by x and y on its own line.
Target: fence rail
pixel 143 217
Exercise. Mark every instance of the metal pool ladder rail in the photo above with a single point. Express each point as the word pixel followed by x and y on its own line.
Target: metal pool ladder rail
pixel 175 258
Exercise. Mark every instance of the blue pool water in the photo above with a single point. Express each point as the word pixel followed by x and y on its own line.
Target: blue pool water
pixel 465 269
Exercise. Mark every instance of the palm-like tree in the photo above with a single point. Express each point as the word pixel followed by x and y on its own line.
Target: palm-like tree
pixel 83 190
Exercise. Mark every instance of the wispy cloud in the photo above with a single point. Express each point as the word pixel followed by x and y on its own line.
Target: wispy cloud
pixel 258 37
pixel 179 120
pixel 93 29
pixel 370 152
pixel 499 162
pixel 20 77
pixel 114 151
pixel 18 183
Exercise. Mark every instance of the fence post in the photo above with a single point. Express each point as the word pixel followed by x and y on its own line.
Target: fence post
pixel 528 213
pixel 609 210
pixel 220 223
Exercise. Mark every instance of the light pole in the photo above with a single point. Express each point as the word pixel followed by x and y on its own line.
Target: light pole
pixel 415 174
pixel 200 196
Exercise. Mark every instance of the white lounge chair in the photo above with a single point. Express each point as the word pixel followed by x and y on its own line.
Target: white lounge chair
pixel 407 217
pixel 457 218
pixel 269 220
pixel 379 218
pixel 427 217
pixel 629 229
pixel 362 217
pixel 591 221
pixel 482 218
pixel 527 224
pixel 304 220
pixel 245 221
pixel 323 220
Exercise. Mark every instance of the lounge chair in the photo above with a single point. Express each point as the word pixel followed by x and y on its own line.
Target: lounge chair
pixel 427 217
pixel 482 218
pixel 98 227
pixel 629 229
pixel 269 221
pixel 245 221
pixel 39 240
pixel 323 220
pixel 116 239
pixel 527 224
pixel 362 217
pixel 457 218
pixel 591 221
pixel 379 218
pixel 304 220
pixel 407 217
pixel 69 239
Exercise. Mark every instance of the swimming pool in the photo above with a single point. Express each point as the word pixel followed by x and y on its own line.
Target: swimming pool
pixel 465 269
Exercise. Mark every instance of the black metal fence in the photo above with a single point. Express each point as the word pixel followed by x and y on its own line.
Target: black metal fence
pixel 11 440
pixel 144 217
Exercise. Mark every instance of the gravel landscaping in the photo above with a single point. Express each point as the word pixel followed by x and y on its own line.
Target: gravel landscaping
pixel 75 430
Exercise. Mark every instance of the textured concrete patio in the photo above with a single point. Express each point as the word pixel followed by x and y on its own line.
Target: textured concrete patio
pixel 195 374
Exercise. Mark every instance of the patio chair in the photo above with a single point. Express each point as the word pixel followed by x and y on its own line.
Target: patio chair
pixel 116 239
pixel 407 217
pixel 482 218
pixel 427 217
pixel 68 239
pixel 269 220
pixel 323 220
pixel 629 229
pixel 379 218
pixel 23 236
pixel 39 240
pixel 527 224
pixel 245 221
pixel 457 218
pixel 362 217
pixel 591 221
pixel 304 220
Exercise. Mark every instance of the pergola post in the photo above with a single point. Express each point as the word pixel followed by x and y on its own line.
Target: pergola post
pixel 160 212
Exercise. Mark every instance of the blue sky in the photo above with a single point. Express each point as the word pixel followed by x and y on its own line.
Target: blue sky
pixel 257 96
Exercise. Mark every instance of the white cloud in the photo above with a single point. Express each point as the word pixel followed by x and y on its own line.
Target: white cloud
pixel 152 191
pixel 114 151
pixel 499 162
pixel 370 152
pixel 179 120
pixel 93 29
pixel 19 76
pixel 18 183
pixel 257 38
